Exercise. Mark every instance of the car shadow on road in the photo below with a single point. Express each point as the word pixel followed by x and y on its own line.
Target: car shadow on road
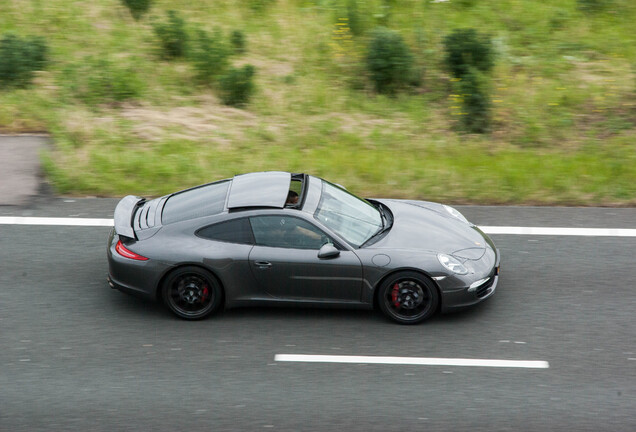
pixel 301 314
pixel 139 307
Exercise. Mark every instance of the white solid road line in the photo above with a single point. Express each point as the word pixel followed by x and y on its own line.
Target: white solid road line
pixel 92 222
pixel 421 361
pixel 590 232
pixel 511 230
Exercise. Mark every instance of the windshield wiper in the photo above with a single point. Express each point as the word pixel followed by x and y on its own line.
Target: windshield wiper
pixel 382 217
pixel 384 228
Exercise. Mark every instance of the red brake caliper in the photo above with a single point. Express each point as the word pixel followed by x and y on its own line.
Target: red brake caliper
pixel 395 295
pixel 205 293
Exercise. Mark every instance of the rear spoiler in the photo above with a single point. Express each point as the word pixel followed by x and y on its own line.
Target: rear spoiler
pixel 124 213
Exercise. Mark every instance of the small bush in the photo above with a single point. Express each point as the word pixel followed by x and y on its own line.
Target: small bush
pixel 389 61
pixel 383 12
pixel 559 20
pixel 237 39
pixel 19 58
pixel 210 55
pixel 353 15
pixel 172 36
pixel 259 5
pixel 137 7
pixel 475 115
pixel 237 86
pixel 465 49
pixel 592 6
pixel 95 81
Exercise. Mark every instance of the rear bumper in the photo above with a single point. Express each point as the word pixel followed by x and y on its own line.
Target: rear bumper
pixel 129 289
pixel 139 278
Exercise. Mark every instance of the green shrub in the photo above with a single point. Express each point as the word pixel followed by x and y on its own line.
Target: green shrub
pixel 592 6
pixel 559 20
pixel 137 7
pixel 210 55
pixel 237 40
pixel 353 17
pixel 469 56
pixel 237 86
pixel 259 5
pixel 95 81
pixel 383 14
pixel 465 3
pixel 172 36
pixel 389 61
pixel 465 49
pixel 475 115
pixel 19 58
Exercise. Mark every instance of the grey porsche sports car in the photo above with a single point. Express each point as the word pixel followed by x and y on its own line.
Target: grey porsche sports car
pixel 277 238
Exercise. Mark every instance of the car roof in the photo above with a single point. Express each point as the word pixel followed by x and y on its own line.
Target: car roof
pixel 260 189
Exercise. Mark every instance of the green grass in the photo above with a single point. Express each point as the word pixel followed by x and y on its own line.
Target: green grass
pixel 563 93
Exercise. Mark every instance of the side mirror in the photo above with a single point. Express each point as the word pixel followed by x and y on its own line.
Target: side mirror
pixel 328 250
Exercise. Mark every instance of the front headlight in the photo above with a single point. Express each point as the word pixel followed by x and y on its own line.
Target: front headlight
pixel 455 213
pixel 451 263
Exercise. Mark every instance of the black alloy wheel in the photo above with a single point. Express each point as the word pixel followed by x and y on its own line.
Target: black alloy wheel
pixel 408 298
pixel 192 293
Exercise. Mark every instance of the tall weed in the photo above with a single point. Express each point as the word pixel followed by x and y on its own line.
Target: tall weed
pixel 100 80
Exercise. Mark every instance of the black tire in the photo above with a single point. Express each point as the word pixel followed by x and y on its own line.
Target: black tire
pixel 192 293
pixel 408 298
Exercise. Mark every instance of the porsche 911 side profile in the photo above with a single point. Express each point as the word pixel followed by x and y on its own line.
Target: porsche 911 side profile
pixel 279 238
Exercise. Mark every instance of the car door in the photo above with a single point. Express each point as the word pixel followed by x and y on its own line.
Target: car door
pixel 285 263
pixel 224 248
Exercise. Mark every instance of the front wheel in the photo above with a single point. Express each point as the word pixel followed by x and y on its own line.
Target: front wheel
pixel 192 293
pixel 408 298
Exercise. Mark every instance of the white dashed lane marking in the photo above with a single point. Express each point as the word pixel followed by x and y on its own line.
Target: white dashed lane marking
pixel 421 361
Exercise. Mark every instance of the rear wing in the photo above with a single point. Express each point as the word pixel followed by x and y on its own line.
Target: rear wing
pixel 124 213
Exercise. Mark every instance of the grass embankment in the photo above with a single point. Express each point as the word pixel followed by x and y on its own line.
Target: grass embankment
pixel 563 101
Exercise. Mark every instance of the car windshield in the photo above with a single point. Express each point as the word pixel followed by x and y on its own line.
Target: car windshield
pixel 354 219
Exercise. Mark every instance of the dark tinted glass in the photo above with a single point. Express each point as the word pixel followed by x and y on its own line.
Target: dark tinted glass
pixel 202 201
pixel 287 232
pixel 234 231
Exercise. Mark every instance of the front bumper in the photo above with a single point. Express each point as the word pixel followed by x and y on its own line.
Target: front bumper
pixel 459 298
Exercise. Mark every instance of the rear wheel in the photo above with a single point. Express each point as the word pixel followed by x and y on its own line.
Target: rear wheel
pixel 408 298
pixel 192 293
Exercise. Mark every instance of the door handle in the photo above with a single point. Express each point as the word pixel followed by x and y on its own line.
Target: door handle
pixel 263 265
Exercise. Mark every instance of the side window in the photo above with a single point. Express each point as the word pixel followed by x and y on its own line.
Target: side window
pixel 234 231
pixel 287 232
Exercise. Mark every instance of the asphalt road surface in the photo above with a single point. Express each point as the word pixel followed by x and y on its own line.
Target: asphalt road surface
pixel 76 355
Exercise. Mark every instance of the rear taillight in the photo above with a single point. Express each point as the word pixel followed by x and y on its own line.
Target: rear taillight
pixel 121 250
